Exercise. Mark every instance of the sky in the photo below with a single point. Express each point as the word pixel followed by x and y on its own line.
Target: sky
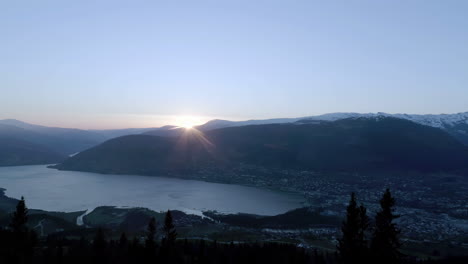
pixel 115 64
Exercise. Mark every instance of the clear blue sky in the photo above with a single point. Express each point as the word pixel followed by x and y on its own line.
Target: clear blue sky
pixel 95 64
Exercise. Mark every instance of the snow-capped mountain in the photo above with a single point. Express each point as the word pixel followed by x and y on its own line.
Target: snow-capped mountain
pixel 455 124
pixel 440 121
pixel 444 121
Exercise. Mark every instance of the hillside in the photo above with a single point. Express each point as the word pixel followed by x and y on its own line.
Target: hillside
pixel 362 144
pixel 62 141
pixel 14 152
pixel 454 124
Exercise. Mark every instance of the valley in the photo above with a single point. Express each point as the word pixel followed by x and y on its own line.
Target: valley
pixel 286 182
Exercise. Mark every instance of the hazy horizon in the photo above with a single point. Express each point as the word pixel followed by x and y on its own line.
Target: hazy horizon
pixel 195 120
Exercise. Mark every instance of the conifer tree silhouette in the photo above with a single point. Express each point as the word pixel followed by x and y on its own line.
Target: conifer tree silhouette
pixel 169 229
pixel 385 242
pixel 352 247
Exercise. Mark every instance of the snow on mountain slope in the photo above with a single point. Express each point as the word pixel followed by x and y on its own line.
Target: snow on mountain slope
pixel 454 124
pixel 443 121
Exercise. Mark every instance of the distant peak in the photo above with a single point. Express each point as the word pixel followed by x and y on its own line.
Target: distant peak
pixel 218 121
pixel 11 120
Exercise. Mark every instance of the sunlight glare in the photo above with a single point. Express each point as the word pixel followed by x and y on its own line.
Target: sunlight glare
pixel 187 125
pixel 188 122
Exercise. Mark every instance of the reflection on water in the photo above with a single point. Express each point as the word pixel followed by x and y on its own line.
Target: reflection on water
pixel 54 190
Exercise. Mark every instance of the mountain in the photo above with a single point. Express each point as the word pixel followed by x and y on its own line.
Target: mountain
pixel 353 144
pixel 113 133
pixel 14 152
pixel 440 121
pixel 61 140
pixel 216 124
pixel 67 141
pixel 166 131
pixel 455 124
pixel 54 142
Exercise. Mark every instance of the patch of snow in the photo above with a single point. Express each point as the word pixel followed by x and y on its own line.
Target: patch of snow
pixel 443 121
pixel 440 121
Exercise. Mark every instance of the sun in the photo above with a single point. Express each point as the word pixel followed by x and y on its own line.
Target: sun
pixel 188 122
pixel 187 125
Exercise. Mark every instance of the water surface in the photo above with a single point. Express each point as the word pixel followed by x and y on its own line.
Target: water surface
pixel 68 191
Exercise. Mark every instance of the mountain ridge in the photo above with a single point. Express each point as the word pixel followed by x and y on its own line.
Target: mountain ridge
pixel 362 144
pixel 67 141
pixel 455 124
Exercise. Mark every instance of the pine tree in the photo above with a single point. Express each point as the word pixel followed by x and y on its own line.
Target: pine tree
pixel 169 229
pixel 23 240
pixel 385 240
pixel 353 245
pixel 123 241
pixel 364 223
pixel 99 242
pixel 150 243
pixel 20 217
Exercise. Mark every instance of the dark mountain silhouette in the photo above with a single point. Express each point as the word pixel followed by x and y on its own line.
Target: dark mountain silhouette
pixel 113 133
pixel 166 131
pixel 358 144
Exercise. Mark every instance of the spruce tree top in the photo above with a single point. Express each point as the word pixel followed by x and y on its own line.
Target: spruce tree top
pixel 20 217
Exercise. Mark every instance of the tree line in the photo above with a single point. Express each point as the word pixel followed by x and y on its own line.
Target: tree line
pixel 361 242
